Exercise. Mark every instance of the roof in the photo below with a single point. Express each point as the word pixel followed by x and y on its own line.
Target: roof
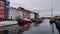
pixel 20 8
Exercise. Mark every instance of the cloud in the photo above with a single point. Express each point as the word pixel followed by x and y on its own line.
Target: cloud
pixel 44 6
pixel 31 4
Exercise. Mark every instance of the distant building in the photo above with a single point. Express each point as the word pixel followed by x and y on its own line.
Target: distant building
pixel 12 13
pixel 36 15
pixel 32 15
pixel 22 13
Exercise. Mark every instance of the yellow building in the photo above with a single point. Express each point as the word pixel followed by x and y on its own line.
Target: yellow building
pixel 10 13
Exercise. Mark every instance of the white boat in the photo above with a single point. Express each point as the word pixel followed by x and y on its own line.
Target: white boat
pixel 6 23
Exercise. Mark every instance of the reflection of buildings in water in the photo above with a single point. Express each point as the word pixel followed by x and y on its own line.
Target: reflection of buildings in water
pixel 20 33
pixel 37 23
pixel 58 27
pixel 58 30
pixel 51 23
pixel 52 27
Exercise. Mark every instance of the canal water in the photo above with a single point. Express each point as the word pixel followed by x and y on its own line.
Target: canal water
pixel 44 28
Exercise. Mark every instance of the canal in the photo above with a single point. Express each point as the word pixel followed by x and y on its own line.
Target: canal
pixel 44 28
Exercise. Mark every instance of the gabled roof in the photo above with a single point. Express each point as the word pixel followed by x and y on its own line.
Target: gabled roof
pixel 20 8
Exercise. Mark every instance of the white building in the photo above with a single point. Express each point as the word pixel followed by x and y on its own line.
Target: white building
pixel 19 13
pixel 16 12
pixel 12 13
pixel 32 15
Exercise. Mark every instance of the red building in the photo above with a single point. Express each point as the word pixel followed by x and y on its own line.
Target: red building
pixel 1 9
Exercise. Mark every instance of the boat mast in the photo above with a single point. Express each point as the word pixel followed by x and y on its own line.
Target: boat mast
pixel 52 15
pixel 52 8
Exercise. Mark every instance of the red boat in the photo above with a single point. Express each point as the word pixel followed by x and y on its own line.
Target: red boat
pixel 24 22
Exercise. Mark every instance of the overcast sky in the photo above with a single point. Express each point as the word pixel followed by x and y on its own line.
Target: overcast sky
pixel 42 6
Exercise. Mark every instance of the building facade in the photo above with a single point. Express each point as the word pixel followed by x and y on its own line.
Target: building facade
pixel 32 15
pixel 12 13
pixel 1 9
pixel 6 9
pixel 19 12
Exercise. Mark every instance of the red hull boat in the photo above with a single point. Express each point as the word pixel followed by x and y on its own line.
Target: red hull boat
pixel 24 22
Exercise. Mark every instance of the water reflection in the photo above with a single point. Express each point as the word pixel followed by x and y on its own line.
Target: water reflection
pixel 37 22
pixel 58 27
pixel 52 27
pixel 44 27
